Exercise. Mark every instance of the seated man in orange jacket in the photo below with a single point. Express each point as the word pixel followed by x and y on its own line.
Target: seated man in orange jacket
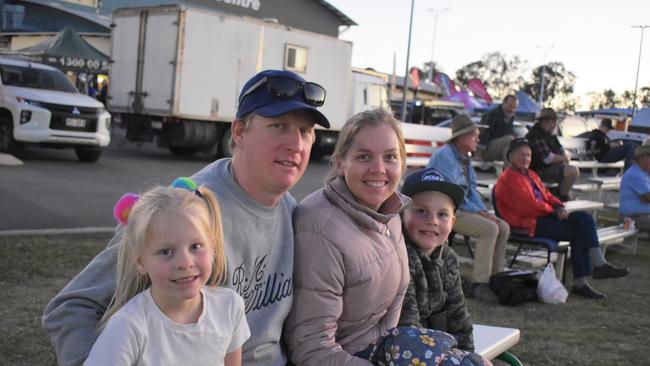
pixel 525 203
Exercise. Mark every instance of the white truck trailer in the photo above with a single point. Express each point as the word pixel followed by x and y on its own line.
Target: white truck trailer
pixel 176 73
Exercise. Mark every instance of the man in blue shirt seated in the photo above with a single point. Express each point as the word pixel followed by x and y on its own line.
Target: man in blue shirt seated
pixel 454 160
pixel 635 189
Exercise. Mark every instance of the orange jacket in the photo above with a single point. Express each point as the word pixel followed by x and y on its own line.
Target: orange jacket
pixel 516 202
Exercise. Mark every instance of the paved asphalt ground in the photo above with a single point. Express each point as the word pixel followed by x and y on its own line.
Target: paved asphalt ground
pixel 52 190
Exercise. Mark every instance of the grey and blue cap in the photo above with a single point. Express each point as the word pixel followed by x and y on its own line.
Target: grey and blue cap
pixel 430 179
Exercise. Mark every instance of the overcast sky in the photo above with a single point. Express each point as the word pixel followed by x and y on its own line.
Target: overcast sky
pixel 593 39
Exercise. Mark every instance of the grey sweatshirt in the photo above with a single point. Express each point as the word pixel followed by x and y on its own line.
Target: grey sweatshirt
pixel 259 255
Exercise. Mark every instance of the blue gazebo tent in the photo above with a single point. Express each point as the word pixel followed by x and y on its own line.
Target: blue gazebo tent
pixel 526 104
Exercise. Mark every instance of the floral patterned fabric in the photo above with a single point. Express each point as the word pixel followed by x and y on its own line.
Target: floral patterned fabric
pixel 405 346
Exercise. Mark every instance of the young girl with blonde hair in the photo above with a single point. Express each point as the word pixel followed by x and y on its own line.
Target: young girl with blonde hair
pixel 167 308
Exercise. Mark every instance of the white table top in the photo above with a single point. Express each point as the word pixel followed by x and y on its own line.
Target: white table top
pixel 582 205
pixel 596 164
pixel 490 341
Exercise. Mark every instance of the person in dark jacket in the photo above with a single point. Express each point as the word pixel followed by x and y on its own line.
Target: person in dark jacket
pixel 607 152
pixel 549 159
pixel 434 298
pixel 498 134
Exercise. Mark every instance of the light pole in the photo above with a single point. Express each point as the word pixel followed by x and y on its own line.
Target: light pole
pixel 636 83
pixel 433 44
pixel 541 84
pixel 406 73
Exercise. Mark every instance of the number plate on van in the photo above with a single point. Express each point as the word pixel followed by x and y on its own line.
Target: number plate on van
pixel 75 122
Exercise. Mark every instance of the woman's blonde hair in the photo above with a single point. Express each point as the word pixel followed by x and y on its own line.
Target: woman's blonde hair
pixel 199 206
pixel 371 118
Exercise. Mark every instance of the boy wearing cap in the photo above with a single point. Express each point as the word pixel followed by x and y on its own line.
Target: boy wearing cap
pixel 472 218
pixel 272 137
pixel 635 189
pixel 550 161
pixel 604 150
pixel 434 298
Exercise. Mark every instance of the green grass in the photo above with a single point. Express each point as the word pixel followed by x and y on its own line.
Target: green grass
pixel 580 332
pixel 613 331
pixel 32 271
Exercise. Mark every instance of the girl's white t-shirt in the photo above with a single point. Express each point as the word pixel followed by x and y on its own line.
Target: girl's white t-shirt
pixel 140 334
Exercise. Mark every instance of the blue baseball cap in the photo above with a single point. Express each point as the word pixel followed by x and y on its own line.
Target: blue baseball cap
pixel 430 179
pixel 264 104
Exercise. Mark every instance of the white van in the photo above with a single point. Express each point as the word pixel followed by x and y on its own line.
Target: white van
pixel 39 105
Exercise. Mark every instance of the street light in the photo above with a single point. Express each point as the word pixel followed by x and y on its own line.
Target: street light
pixel 433 44
pixel 636 84
pixel 541 86
pixel 406 73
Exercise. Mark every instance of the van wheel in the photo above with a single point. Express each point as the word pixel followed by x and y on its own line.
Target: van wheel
pixel 7 142
pixel 225 151
pixel 87 154
pixel 186 152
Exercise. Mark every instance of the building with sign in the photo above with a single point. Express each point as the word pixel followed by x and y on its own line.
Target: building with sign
pixel 31 24
pixel 25 23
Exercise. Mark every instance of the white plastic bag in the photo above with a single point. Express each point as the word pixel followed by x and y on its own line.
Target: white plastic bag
pixel 549 289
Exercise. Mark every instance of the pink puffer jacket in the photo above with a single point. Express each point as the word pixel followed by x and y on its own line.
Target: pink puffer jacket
pixel 350 276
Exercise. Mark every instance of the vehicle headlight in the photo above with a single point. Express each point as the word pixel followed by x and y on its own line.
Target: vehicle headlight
pixel 29 101
pixel 100 111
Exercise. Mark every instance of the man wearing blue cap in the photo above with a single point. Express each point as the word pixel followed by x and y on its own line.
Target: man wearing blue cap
pixel 272 136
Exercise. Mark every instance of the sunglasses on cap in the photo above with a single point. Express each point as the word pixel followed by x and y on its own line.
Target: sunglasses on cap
pixel 283 87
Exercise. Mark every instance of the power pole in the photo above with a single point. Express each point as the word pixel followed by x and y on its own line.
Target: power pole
pixel 406 73
pixel 541 86
pixel 433 44
pixel 636 83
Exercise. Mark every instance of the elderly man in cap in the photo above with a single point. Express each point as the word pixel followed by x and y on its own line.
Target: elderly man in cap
pixel 472 218
pixel 635 189
pixel 606 151
pixel 272 136
pixel 528 206
pixel 550 160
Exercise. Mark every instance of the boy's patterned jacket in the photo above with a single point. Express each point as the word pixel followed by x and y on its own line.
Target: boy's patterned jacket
pixel 435 287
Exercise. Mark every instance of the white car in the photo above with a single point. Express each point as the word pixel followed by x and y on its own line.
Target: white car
pixel 39 105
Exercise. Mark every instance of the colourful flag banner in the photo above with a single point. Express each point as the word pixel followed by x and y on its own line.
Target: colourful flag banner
pixel 479 90
pixel 445 83
pixel 415 77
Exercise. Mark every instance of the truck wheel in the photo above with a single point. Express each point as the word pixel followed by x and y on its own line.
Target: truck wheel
pixel 88 154
pixel 7 142
pixel 183 151
pixel 225 151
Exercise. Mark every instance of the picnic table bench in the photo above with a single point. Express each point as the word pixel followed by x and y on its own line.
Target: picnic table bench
pixel 607 236
pixel 494 342
pixel 485 165
pixel 605 183
pixel 595 165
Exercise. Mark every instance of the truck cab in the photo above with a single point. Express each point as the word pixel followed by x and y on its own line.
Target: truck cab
pixel 39 105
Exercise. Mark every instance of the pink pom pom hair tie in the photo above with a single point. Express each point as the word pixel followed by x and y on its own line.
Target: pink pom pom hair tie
pixel 123 207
